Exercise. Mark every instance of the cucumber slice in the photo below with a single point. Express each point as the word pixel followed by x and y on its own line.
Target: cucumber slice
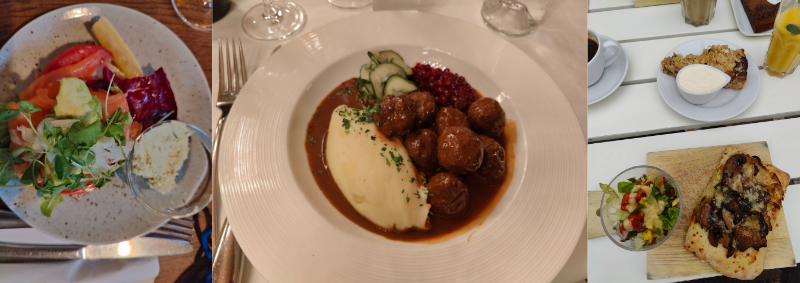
pixel 380 74
pixel 364 73
pixel 398 85
pixel 389 56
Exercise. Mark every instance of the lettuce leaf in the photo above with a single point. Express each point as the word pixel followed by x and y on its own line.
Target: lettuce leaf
pixel 669 217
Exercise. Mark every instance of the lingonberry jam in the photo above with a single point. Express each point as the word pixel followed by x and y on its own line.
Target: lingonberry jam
pixel 449 89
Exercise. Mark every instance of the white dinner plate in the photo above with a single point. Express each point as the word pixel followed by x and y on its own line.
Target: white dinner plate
pixel 110 214
pixel 291 232
pixel 611 79
pixel 727 104
pixel 742 22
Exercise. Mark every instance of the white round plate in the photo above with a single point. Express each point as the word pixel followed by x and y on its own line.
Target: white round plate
pixel 110 214
pixel 611 79
pixel 727 104
pixel 291 232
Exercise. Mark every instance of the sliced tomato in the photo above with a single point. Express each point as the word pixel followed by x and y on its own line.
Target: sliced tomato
pixel 89 187
pixel 626 200
pixel 73 55
pixel 48 83
pixel 637 221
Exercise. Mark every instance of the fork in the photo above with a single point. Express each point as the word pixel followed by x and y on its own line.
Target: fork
pixel 229 88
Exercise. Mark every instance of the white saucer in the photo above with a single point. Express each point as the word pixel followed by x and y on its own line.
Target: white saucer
pixel 727 104
pixel 611 79
pixel 742 22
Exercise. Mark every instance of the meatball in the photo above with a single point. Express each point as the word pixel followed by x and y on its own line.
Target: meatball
pixel 459 150
pixel 426 107
pixel 493 166
pixel 447 194
pixel 449 117
pixel 398 115
pixel 421 147
pixel 487 117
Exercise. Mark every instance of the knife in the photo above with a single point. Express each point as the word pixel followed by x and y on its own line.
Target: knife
pixel 139 247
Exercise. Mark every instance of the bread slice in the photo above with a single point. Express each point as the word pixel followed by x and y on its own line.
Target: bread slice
pixel 732 62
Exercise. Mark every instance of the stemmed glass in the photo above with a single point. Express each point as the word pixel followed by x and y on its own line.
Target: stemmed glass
pixel 273 20
pixel 195 13
pixel 508 17
pixel 350 4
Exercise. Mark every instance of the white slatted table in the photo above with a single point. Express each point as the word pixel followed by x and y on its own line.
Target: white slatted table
pixel 635 120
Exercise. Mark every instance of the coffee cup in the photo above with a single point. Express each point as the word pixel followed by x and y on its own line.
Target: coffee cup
pixel 600 60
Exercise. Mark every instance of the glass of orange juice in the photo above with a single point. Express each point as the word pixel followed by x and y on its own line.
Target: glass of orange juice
pixel 784 47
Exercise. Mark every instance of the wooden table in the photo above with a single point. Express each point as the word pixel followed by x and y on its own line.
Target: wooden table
pixel 616 141
pixel 19 13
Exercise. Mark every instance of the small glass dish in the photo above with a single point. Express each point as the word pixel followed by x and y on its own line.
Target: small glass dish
pixel 193 184
pixel 608 224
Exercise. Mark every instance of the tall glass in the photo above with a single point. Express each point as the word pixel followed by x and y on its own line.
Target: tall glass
pixel 273 20
pixel 698 12
pixel 783 54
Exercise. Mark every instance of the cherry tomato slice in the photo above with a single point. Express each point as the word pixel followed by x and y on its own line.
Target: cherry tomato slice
pixel 73 55
pixel 637 221
pixel 626 200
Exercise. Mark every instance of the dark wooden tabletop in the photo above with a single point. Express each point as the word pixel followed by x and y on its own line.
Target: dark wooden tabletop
pixel 18 13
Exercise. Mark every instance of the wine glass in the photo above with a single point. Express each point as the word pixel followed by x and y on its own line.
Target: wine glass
pixel 273 20
pixel 350 4
pixel 510 17
pixel 195 13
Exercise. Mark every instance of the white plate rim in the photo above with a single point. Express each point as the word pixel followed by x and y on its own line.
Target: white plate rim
pixel 196 72
pixel 622 56
pixel 237 192
pixel 753 78
pixel 742 22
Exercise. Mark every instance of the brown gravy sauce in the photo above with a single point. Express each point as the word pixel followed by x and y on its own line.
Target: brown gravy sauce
pixel 483 194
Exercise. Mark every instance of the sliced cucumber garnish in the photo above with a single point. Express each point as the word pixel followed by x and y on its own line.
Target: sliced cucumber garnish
pixel 389 56
pixel 381 73
pixel 398 85
pixel 364 73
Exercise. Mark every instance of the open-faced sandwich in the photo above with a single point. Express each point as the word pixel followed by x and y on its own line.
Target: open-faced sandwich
pixel 732 223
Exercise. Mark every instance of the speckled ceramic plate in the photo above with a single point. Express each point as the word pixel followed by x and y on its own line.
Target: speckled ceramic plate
pixel 291 232
pixel 110 214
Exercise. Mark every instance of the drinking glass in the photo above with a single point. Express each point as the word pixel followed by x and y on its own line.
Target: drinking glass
pixel 783 54
pixel 509 17
pixel 273 20
pixel 195 13
pixel 698 12
pixel 350 4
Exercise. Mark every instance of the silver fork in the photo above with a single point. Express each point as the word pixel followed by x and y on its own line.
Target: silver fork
pixel 229 88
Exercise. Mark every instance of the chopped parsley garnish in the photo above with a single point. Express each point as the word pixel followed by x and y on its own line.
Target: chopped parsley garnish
pixel 408 199
pixel 417 193
pixel 311 139
pixel 372 137
pixel 346 124
pixel 412 179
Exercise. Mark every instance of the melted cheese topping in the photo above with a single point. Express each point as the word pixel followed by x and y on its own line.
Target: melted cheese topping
pixel 366 172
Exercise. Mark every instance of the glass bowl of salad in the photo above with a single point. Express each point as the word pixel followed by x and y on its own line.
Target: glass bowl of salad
pixel 640 208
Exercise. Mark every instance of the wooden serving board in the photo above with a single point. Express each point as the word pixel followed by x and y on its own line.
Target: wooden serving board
pixel 692 170
pixel 594 226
